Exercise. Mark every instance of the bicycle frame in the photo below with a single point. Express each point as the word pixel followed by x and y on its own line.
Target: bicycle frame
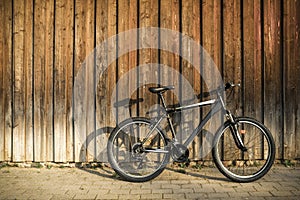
pixel 218 104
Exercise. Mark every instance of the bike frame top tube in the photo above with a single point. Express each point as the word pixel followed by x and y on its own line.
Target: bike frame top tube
pixel 187 107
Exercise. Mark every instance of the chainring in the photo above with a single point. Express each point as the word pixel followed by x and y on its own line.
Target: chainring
pixel 180 153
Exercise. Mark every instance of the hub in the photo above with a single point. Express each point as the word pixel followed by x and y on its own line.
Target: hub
pixel 137 148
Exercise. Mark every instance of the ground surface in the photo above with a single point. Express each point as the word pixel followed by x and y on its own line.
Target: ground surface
pixel 75 183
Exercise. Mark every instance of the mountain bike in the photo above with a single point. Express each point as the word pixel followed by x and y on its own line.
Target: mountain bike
pixel 139 149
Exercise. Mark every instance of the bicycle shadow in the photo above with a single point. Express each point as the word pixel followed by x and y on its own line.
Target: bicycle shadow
pixel 97 169
pixel 198 175
pixel 102 133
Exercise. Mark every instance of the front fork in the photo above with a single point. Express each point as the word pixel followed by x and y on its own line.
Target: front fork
pixel 235 131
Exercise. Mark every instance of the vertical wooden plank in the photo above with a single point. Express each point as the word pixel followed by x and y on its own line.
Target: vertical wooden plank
pixel 43 80
pixel 22 56
pixel 105 28
pixel 232 51
pixel 169 19
pixel 197 35
pixel 133 60
pixel 2 39
pixel 212 44
pixel 49 77
pixel 110 74
pixel 148 18
pixel 123 61
pixel 101 90
pixel 127 20
pixel 132 63
pixel 63 67
pixel 252 59
pixel 28 83
pixel 5 80
pixel 38 81
pixel 297 57
pixel 190 28
pixel 186 125
pixel 112 68
pixel 273 80
pixel 84 46
pixel 291 71
pixel 212 30
pixel 232 55
pixel 108 21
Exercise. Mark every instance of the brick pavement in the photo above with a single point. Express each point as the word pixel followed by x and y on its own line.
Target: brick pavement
pixel 74 183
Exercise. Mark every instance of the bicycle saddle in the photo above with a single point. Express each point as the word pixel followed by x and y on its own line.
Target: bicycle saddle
pixel 161 89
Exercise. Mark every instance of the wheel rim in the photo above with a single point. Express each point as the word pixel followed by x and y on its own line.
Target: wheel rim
pixel 249 164
pixel 138 165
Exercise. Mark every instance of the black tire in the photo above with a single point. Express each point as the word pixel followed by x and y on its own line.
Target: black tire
pixel 129 164
pixel 246 166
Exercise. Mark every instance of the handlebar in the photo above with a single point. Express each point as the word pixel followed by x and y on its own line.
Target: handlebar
pixel 227 86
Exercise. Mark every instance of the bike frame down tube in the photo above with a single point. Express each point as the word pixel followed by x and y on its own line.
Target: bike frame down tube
pixel 217 106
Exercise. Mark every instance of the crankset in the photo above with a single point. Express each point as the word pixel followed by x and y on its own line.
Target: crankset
pixel 179 153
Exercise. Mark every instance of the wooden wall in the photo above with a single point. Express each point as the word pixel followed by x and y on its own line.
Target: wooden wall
pixel 43 44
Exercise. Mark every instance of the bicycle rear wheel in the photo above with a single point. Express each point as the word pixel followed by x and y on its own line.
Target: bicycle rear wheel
pixel 133 158
pixel 244 166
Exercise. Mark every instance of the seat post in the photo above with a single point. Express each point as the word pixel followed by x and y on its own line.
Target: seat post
pixel 168 116
pixel 162 100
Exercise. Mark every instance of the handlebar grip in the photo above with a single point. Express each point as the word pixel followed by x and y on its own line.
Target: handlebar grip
pixel 230 85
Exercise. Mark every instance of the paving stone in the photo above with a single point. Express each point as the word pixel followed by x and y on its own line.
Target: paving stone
pixel 201 189
pixel 85 196
pixel 27 183
pixel 217 194
pixel 173 196
pixel 183 191
pixel 121 191
pixel 107 196
pixel 247 188
pixel 162 191
pixel 239 194
pixel 151 185
pixel 152 196
pixel 129 196
pixel 282 193
pixel 140 191
pixel 171 186
pixel 261 194
pixel 62 196
pixel 196 195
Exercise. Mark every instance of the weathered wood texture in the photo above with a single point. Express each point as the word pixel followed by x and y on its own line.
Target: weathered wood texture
pixel 46 45
pixel 22 141
pixel 6 77
pixel 43 80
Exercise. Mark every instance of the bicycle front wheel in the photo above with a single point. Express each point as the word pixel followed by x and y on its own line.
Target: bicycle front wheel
pixel 249 165
pixel 137 150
